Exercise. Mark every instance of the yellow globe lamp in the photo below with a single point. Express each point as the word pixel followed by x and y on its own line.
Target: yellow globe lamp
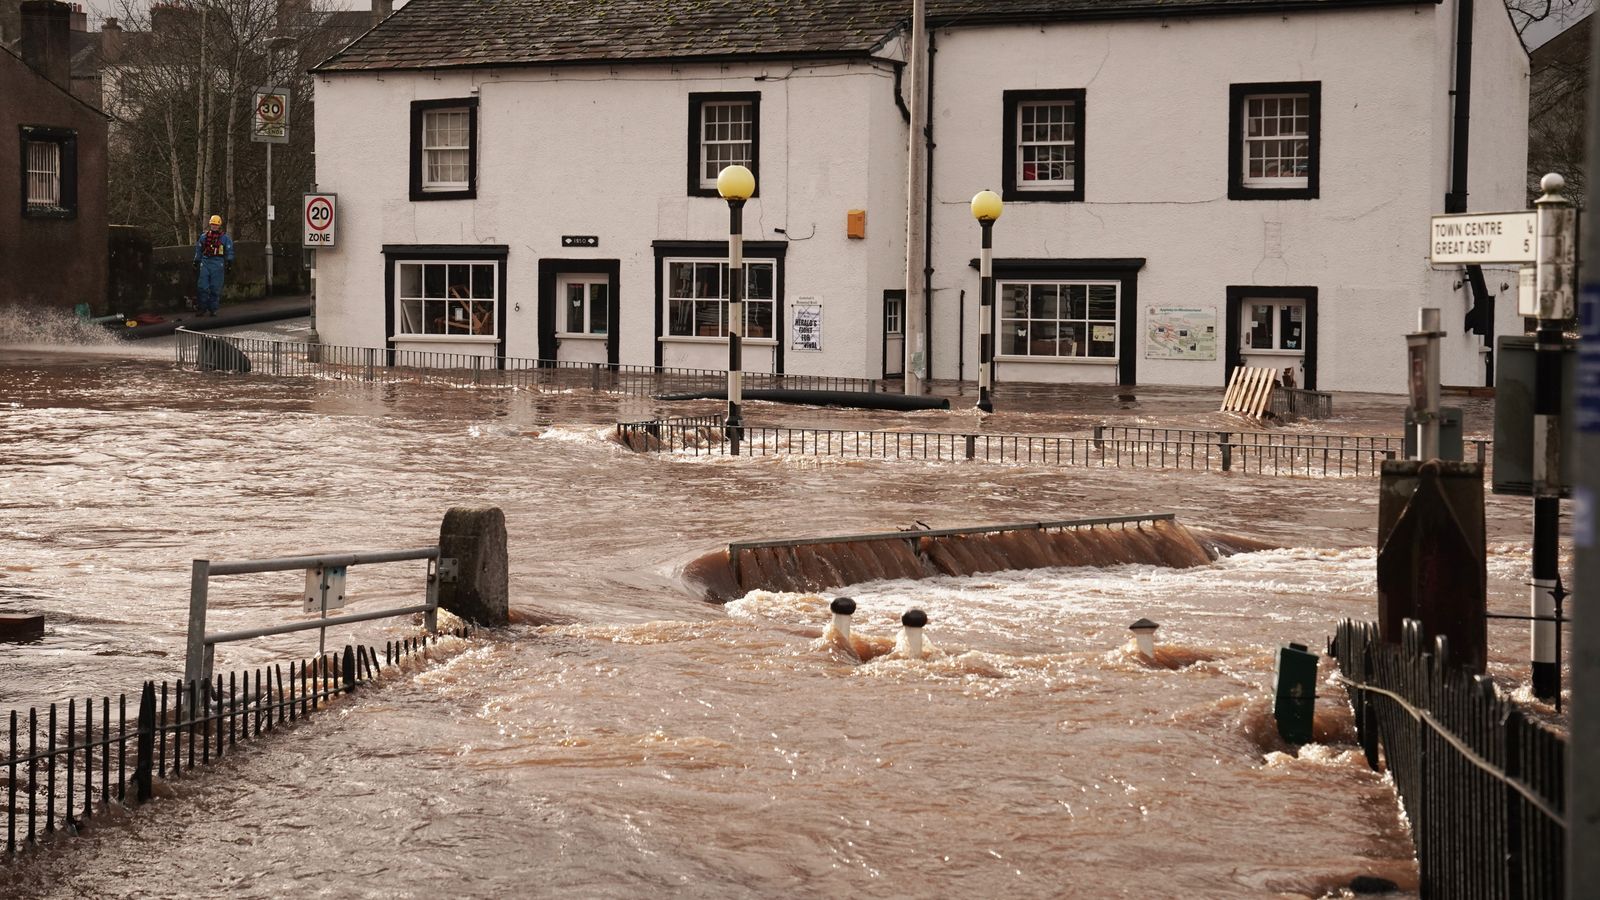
pixel 736 183
pixel 986 206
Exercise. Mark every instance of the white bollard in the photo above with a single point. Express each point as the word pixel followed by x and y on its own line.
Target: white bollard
pixel 913 622
pixel 1144 631
pixel 843 608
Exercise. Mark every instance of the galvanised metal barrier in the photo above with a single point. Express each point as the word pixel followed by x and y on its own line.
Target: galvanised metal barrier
pixel 1198 450
pixel 376 364
pixel 1365 453
pixel 1483 786
pixel 1286 402
pixel 51 764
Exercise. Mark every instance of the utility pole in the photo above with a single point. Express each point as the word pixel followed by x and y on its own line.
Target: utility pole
pixel 1583 787
pixel 916 310
pixel 270 217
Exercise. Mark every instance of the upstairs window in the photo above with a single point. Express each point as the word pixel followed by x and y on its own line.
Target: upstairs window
pixel 49 172
pixel 444 149
pixel 724 131
pixel 44 173
pixel 1043 145
pixel 1274 148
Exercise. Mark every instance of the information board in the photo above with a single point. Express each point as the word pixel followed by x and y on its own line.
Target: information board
pixel 1181 332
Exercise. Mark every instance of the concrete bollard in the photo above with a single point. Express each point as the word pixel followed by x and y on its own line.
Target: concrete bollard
pixel 1144 631
pixel 843 608
pixel 913 621
pixel 476 540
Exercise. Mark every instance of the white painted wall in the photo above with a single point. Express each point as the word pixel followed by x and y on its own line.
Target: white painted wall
pixel 1156 158
pixel 602 151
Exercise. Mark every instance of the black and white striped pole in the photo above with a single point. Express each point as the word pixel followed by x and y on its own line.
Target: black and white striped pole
pixel 736 184
pixel 986 208
pixel 1555 273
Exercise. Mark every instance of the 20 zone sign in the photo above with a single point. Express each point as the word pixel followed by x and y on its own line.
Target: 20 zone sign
pixel 320 221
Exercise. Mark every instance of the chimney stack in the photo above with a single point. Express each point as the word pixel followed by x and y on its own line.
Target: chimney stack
pixel 80 19
pixel 46 40
pixel 111 40
pixel 381 9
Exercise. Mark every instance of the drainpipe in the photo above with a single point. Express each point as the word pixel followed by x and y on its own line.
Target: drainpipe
pixel 927 211
pixel 1481 317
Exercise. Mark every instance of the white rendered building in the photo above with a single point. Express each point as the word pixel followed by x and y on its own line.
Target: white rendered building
pixel 1189 184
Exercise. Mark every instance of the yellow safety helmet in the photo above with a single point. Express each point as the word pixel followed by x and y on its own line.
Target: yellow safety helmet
pixel 216 220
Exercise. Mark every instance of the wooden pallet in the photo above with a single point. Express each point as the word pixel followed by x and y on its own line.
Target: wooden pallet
pixel 1250 391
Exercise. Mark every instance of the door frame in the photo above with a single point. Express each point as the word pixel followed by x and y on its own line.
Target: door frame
pixel 549 271
pixel 894 294
pixel 1233 330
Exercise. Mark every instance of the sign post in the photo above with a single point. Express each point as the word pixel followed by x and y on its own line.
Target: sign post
pixel 270 126
pixel 1422 379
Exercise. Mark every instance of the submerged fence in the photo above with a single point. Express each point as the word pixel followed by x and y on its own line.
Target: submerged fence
pixel 198 350
pixel 52 759
pixel 1482 784
pixel 1257 453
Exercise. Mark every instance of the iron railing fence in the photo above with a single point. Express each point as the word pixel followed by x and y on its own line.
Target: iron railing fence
pixel 375 364
pixel 1365 448
pixel 51 760
pixel 1209 452
pixel 1482 784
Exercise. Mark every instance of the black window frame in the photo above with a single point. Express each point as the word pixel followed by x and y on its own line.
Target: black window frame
pixel 777 251
pixel 1010 190
pixel 1237 94
pixel 467 253
pixel 1121 269
pixel 697 102
pixel 419 109
pixel 1233 328
pixel 67 140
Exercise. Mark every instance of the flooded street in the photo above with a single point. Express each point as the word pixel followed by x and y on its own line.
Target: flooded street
pixel 624 737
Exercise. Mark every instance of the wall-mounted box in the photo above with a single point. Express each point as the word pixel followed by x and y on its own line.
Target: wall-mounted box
pixel 855 224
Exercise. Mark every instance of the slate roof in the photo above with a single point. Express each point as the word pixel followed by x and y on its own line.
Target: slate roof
pixel 429 34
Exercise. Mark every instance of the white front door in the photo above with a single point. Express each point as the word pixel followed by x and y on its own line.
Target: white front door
pixel 894 334
pixel 583 306
pixel 1273 336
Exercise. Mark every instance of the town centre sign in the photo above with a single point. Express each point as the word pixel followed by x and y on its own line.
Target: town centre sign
pixel 1480 238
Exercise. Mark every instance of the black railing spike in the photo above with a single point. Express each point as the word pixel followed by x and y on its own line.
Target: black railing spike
pixel 72 728
pixel 50 788
pixel 33 771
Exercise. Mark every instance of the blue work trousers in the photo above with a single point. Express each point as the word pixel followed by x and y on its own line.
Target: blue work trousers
pixel 210 296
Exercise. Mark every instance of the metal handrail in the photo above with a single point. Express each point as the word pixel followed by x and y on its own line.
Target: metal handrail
pixel 739 546
pixel 201 645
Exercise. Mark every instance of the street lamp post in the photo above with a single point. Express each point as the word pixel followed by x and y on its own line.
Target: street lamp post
pixel 986 208
pixel 736 184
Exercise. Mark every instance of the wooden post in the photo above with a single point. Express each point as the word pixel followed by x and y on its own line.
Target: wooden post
pixel 146 741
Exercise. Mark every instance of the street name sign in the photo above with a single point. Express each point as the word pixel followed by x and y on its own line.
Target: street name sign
pixel 320 221
pixel 1479 238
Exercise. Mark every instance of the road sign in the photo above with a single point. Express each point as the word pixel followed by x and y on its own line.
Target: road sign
pixel 1480 238
pixel 270 122
pixel 320 221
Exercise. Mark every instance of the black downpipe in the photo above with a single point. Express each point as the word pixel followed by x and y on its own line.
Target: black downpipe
pixel 1479 319
pixel 899 95
pixel 927 219
pixel 961 329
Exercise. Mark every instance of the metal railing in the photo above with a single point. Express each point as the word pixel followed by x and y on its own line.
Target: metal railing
pixel 1196 450
pixel 1483 785
pixel 325 575
pixel 51 765
pixel 1288 402
pixel 382 365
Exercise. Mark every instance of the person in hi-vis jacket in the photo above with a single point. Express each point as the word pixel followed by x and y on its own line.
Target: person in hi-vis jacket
pixel 213 255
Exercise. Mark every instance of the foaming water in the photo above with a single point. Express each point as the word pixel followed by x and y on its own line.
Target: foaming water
pixel 625 738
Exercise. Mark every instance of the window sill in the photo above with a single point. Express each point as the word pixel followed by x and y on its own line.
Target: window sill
pixel 447 338
pixel 1053 194
pixel 1075 360
pixel 693 339
pixel 580 336
pixel 1254 352
pixel 50 212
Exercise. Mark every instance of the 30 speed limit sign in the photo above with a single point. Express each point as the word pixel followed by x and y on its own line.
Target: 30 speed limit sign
pixel 320 221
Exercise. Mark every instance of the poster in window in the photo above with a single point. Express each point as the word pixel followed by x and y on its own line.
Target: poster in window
pixel 1181 332
pixel 806 324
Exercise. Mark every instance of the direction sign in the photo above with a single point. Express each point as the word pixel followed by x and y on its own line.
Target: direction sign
pixel 320 221
pixel 270 121
pixel 1479 238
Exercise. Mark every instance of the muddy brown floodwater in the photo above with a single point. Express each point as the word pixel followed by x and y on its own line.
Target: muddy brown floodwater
pixel 647 742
